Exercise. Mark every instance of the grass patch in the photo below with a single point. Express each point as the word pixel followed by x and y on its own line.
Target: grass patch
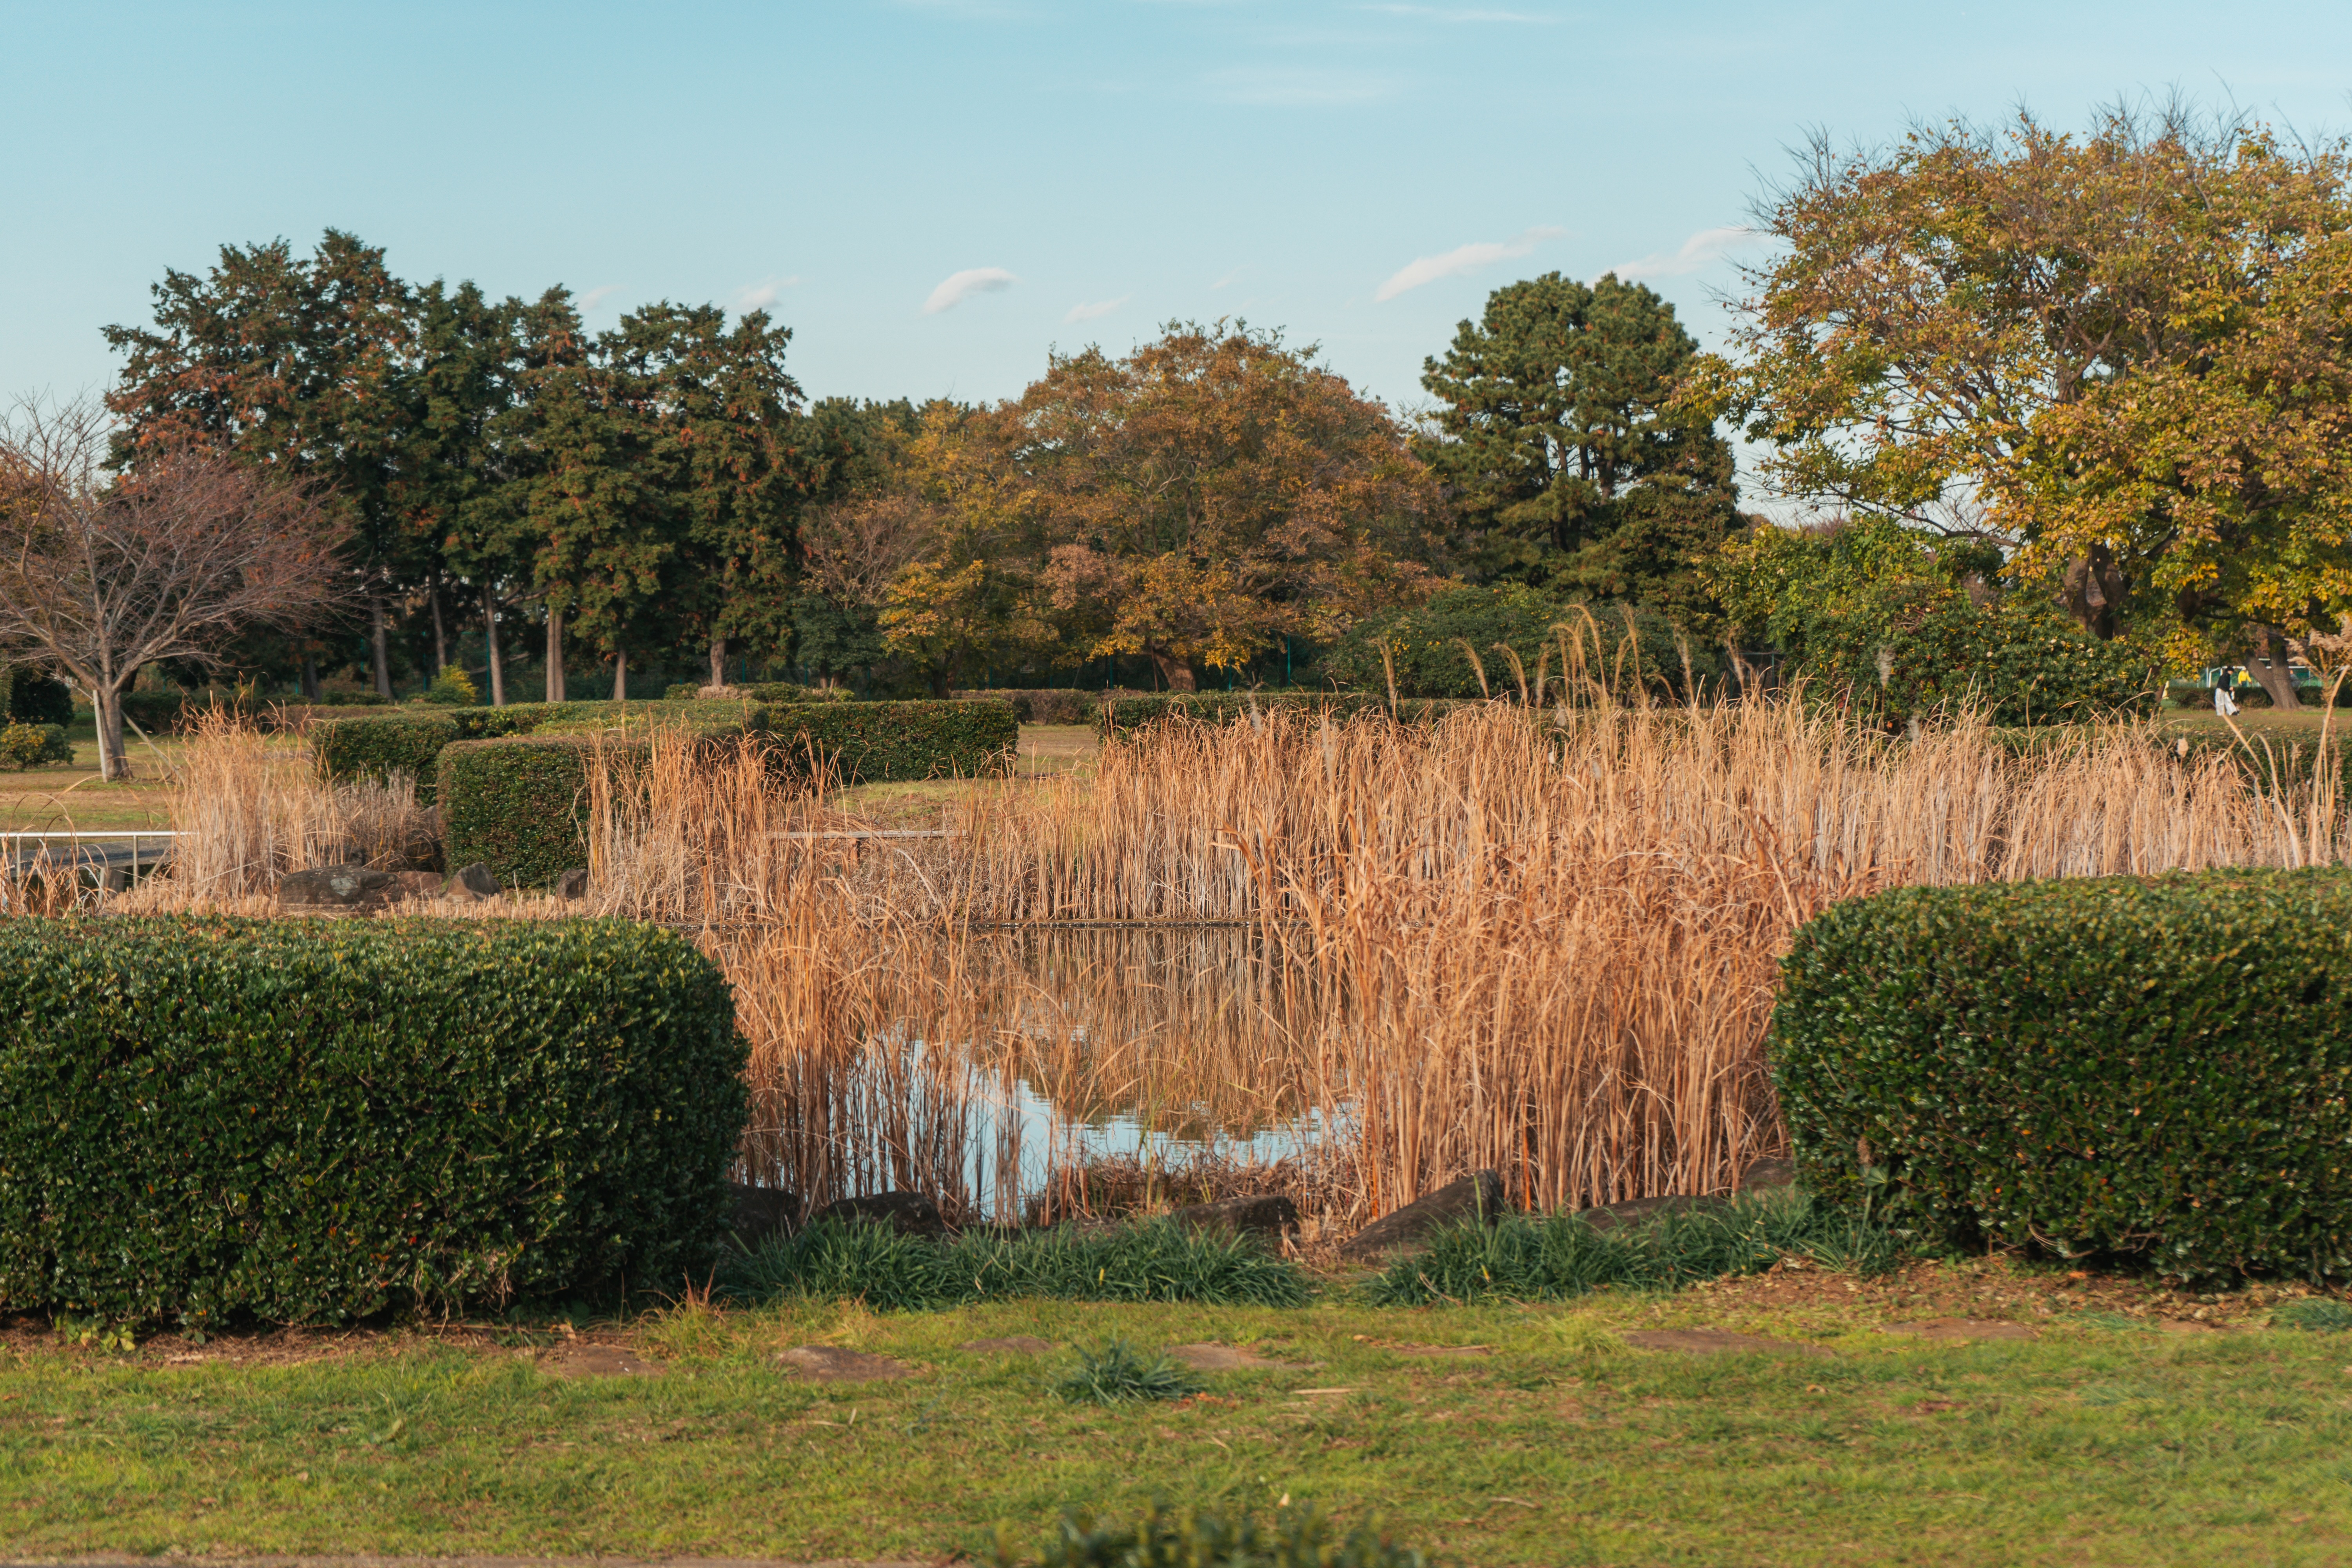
pixel 1163 1538
pixel 1550 1258
pixel 1159 1262
pixel 2321 1315
pixel 1117 1374
pixel 1559 1445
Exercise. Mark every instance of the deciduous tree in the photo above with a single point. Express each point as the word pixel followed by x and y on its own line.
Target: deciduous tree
pixel 102 573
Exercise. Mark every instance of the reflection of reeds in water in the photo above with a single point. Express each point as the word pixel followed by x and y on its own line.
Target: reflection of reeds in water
pixel 1543 941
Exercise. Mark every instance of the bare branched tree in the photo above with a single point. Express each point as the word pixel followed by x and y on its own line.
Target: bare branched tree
pixel 101 573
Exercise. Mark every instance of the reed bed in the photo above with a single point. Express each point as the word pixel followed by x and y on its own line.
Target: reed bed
pixel 1348 962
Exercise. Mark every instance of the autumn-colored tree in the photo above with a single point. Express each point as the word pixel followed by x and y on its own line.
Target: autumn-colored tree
pixel 972 595
pixel 1566 458
pixel 1210 493
pixel 2121 354
pixel 100 574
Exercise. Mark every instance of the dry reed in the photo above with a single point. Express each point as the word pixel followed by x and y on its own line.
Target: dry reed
pixel 1539 936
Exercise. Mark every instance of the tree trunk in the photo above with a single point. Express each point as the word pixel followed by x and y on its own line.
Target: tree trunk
pixel 2093 591
pixel 440 633
pixel 555 654
pixel 621 676
pixel 309 678
pixel 2270 643
pixel 113 764
pixel 375 645
pixel 491 639
pixel 1175 671
pixel 718 661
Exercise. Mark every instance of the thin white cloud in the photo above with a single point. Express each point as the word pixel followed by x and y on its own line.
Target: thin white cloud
pixel 598 295
pixel 760 296
pixel 1698 252
pixel 1228 277
pixel 1462 258
pixel 1298 87
pixel 961 286
pixel 1098 310
pixel 1450 14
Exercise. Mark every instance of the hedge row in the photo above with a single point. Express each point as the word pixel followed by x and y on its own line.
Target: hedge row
pixel 2159 1067
pixel 203 1117
pixel 1120 714
pixel 519 803
pixel 1046 704
pixel 408 740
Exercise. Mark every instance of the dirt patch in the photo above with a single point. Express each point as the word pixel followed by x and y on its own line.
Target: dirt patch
pixel 1221 1358
pixel 583 1360
pixel 831 1363
pixel 1720 1342
pixel 1961 1329
pixel 1992 1288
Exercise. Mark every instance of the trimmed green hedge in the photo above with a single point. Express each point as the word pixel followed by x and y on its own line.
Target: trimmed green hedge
pixel 408 740
pixel 203 1117
pixel 1043 704
pixel 2159 1067
pixel 518 806
pixel 1125 713
pixel 868 742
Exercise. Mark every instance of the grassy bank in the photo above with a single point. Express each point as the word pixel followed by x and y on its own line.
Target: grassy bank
pixel 2102 1439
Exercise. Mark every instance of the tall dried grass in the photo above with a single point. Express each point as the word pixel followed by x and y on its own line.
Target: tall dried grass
pixel 1358 958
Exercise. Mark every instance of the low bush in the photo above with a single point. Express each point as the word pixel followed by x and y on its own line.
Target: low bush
pixel 452 689
pixel 31 745
pixel 1625 646
pixel 203 1117
pixel 1159 1262
pixel 2158 1068
pixel 1549 1258
pixel 37 698
pixel 1163 1537
pixel 1117 1374
pixel 410 739
pixel 1120 714
pixel 518 806
pixel 868 742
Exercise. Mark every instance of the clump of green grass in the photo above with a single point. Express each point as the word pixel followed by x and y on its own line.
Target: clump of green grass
pixel 1535 1257
pixel 1158 1261
pixel 1119 1373
pixel 1298 1538
pixel 2321 1314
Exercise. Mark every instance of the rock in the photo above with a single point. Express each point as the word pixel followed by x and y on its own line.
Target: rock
pixel 475 880
pixel 831 1363
pixel 332 887
pixel 596 1361
pixel 1961 1329
pixel 1407 1229
pixel 1268 1213
pixel 572 884
pixel 756 1213
pixel 910 1213
pixel 1018 1344
pixel 1763 1173
pixel 1720 1342
pixel 1632 1211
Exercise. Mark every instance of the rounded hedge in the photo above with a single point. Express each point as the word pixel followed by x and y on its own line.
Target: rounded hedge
pixel 2158 1067
pixel 311 1121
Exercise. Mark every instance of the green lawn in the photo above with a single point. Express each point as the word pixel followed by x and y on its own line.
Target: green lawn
pixel 2101 1441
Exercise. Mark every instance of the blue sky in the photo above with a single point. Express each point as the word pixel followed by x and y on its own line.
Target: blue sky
pixel 1358 174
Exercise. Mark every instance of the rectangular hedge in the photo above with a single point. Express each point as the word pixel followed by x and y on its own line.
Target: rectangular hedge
pixel 870 742
pixel 518 806
pixel 2158 1067
pixel 1122 715
pixel 408 740
pixel 203 1118
pixel 1043 704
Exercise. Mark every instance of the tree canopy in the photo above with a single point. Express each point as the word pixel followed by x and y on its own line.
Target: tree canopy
pixel 2121 354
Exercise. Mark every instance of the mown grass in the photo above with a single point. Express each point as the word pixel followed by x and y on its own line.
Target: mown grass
pixel 1549 1257
pixel 2093 1444
pixel 891 1272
